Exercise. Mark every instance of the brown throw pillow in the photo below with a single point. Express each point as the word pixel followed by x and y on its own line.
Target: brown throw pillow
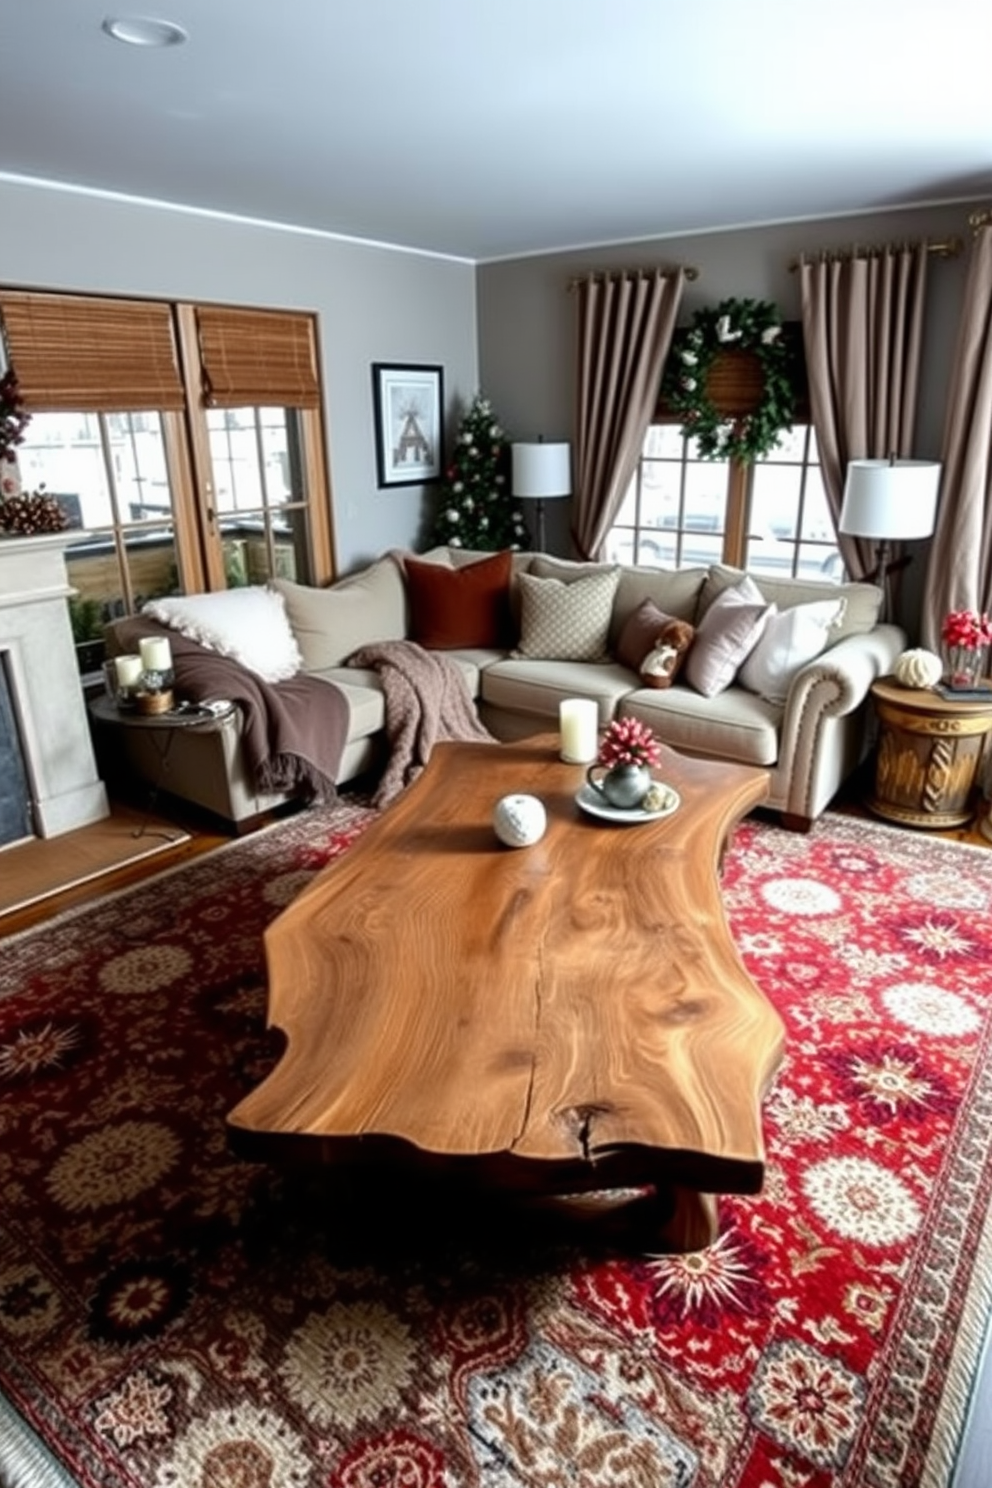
pixel 460 607
pixel 640 632
pixel 660 667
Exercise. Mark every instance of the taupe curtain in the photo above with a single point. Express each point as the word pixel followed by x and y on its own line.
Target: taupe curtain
pixel 959 570
pixel 862 333
pixel 626 322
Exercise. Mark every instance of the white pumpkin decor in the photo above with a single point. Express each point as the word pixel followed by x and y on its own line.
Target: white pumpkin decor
pixel 918 668
pixel 519 821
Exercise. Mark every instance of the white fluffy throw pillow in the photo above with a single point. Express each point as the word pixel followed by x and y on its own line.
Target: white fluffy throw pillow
pixel 248 625
pixel 791 638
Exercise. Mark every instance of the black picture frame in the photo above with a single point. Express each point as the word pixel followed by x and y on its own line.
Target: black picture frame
pixel 409 423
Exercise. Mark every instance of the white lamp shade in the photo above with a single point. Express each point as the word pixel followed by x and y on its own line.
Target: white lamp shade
pixel 541 472
pixel 890 499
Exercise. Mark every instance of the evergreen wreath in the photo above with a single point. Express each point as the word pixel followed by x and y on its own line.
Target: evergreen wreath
pixel 741 325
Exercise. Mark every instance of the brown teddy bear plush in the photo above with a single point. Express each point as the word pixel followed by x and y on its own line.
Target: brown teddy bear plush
pixel 659 667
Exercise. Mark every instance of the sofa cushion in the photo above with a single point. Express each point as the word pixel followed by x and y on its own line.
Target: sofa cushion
pixel 647 628
pixel 735 725
pixel 467 606
pixel 249 625
pixel 674 590
pixel 862 602
pixel 791 638
pixel 725 636
pixel 535 688
pixel 329 624
pixel 566 621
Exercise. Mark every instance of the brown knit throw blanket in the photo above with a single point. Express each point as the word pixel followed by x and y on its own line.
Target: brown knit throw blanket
pixel 427 699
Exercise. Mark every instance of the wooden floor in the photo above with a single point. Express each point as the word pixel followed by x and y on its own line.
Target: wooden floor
pixel 202 834
pixel 45 876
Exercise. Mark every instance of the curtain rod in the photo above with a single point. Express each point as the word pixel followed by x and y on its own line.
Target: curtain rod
pixel 605 274
pixel 943 248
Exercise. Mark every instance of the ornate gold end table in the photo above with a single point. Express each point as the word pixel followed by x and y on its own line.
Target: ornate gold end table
pixel 930 747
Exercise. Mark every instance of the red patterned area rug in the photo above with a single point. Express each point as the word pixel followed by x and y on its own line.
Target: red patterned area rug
pixel 172 1317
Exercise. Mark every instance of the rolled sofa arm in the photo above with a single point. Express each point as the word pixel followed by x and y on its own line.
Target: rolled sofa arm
pixel 823 727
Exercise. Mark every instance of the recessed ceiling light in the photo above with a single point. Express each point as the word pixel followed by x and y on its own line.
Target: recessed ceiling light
pixel 144 32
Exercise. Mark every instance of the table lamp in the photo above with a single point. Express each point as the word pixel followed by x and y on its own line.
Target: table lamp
pixel 541 472
pixel 889 501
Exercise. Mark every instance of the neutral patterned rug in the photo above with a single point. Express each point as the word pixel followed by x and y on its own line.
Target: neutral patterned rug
pixel 171 1317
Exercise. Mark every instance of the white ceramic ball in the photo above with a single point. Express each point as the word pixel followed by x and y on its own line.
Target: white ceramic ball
pixel 519 821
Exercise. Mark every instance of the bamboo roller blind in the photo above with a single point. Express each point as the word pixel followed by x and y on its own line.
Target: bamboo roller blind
pixel 72 353
pixel 104 355
pixel 257 357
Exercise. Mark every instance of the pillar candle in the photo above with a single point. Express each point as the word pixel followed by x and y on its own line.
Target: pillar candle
pixel 156 654
pixel 578 721
pixel 129 670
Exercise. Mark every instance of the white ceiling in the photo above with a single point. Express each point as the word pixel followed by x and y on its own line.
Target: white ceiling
pixel 485 129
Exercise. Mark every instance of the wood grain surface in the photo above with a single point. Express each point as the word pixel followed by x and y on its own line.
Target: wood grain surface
pixel 570 1015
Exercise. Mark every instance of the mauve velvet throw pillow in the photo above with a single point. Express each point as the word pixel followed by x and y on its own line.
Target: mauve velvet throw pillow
pixel 725 637
pixel 451 608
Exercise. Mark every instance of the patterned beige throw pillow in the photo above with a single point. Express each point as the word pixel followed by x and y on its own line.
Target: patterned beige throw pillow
pixel 566 622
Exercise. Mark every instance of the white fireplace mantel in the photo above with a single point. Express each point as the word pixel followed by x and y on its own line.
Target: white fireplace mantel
pixel 37 649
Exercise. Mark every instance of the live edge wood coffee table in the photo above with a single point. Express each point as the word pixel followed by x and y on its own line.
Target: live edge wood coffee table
pixel 566 1019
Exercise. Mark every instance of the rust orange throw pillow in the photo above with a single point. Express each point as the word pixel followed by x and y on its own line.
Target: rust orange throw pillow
pixel 460 607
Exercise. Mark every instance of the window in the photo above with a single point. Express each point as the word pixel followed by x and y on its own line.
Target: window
pixel 772 517
pixel 184 441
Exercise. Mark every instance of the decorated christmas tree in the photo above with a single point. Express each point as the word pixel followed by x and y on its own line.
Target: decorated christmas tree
pixel 476 509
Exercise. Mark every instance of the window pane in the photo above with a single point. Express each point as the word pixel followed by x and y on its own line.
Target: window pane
pixel 791 445
pixel 110 474
pixel 664 442
pixel 620 545
pixel 817 521
pixel 657 550
pixel 258 490
pixel 63 452
pixel 775 493
pixel 698 550
pixel 705 496
pixel 660 494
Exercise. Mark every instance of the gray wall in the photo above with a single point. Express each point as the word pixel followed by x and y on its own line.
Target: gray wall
pixel 374 304
pixel 527 319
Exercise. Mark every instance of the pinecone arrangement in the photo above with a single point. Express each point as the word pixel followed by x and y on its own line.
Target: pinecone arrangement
pixel 27 513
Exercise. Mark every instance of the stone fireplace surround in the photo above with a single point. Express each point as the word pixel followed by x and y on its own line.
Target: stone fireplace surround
pixel 37 647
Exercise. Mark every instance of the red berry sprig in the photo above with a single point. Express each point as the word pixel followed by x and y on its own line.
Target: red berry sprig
pixel 627 741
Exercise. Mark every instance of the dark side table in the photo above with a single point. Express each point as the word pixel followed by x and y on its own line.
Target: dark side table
pixel 930 747
pixel 161 729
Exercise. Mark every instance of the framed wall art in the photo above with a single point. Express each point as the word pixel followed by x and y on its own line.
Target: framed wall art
pixel 409 423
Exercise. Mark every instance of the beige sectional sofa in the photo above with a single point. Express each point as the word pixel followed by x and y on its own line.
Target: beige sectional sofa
pixel 810 740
